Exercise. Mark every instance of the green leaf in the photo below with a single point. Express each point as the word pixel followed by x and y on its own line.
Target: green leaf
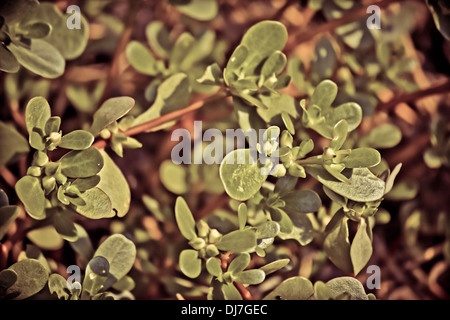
pixel 83 245
pixel 242 215
pixel 238 241
pixel 52 125
pixel 97 205
pixel 361 247
pixel 203 10
pixel 282 218
pixel 120 253
pixel 173 94
pixel 404 190
pixel 110 111
pixel 213 267
pixel 274 64
pixel 30 192
pixel 363 185
pixel 41 58
pixel 35 30
pixel 269 229
pixel 362 157
pixel 349 285
pixel 252 277
pixel 84 184
pixel 236 60
pixel 285 184
pixel 339 135
pixel 190 263
pixel 114 185
pixel 212 75
pixel 158 38
pixel 391 178
pixel 7 216
pixel 230 292
pixel 239 263
pixel 350 111
pixel 37 113
pixel 174 177
pixel 65 227
pixel 384 136
pixel 336 244
pixel 322 292
pixel 241 175
pixel 185 219
pixel 302 229
pixel 274 266
pixel 295 288
pixel 141 58
pixel 31 278
pixel 82 164
pixel 8 61
pixel 12 144
pixel 46 238
pixel 262 39
pixel 58 284
pixel 76 140
pixel 69 42
pixel 302 201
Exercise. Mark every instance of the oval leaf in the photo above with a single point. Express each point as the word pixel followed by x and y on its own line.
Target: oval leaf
pixel 76 140
pixel 190 264
pixel 238 241
pixel 184 218
pixel 82 164
pixel 30 192
pixel 241 175
pixel 31 278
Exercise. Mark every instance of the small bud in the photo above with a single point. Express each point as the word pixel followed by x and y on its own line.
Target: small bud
pixel 211 250
pixel 49 184
pixel 279 170
pixel 40 158
pixel 297 170
pixel 34 171
pixel 55 137
pixel 214 235
pixel 197 243
pixel 202 229
pixel 60 178
pixel 105 134
pixel 286 139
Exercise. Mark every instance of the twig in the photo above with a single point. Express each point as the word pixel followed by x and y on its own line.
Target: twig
pixel 146 126
pixel 246 295
pixel 416 95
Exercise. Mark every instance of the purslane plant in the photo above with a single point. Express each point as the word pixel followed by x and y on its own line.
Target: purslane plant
pixel 269 207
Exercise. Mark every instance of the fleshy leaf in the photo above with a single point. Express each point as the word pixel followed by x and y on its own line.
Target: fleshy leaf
pixel 30 192
pixel 349 285
pixel 254 276
pixel 12 144
pixel 184 218
pixel 114 185
pixel 239 263
pixel 238 241
pixel 295 288
pixel 302 201
pixel 82 164
pixel 31 278
pixel 110 111
pixel 241 175
pixel 7 216
pixel 41 58
pixel 361 247
pixel 37 113
pixel 141 58
pixel 76 140
pixel 364 186
pixel 97 205
pixel 120 253
pixel 190 264
pixel 362 157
